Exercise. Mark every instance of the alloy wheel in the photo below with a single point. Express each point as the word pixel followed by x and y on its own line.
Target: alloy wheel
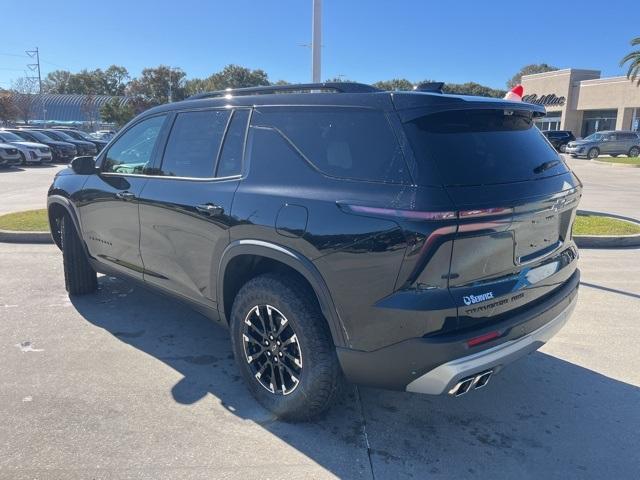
pixel 272 350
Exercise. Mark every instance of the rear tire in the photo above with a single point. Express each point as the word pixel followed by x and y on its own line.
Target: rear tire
pixel 593 153
pixel 563 148
pixel 634 152
pixel 24 159
pixel 309 381
pixel 79 277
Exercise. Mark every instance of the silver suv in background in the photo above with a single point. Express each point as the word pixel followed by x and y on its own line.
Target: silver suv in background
pixel 30 152
pixel 612 143
pixel 9 155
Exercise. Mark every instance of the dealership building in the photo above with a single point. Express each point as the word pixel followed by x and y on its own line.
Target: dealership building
pixel 583 102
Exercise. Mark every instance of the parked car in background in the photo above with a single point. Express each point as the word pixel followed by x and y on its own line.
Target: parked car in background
pixel 406 240
pixel 559 138
pixel 83 147
pixel 80 135
pixel 104 134
pixel 9 155
pixel 30 152
pixel 61 151
pixel 612 143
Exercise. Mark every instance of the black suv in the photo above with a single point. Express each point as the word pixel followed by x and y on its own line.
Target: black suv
pixel 405 240
pixel 82 147
pixel 83 136
pixel 61 151
pixel 559 138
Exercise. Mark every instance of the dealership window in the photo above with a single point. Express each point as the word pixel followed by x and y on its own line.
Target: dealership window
pixel 551 121
pixel 598 120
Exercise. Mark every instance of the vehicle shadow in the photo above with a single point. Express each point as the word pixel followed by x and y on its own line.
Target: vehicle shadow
pixel 541 418
pixel 12 168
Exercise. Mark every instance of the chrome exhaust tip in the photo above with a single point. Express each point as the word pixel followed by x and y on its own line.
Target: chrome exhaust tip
pixel 462 387
pixel 474 382
pixel 482 380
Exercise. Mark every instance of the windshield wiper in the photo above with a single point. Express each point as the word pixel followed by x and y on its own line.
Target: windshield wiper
pixel 546 166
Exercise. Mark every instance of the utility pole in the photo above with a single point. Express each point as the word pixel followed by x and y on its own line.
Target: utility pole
pixel 36 67
pixel 316 41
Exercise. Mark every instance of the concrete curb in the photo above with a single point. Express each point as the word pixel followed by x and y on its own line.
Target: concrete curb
pixel 614 164
pixel 607 241
pixel 9 236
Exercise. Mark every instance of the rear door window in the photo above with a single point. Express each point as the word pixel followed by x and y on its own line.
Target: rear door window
pixel 481 147
pixel 193 144
pixel 350 143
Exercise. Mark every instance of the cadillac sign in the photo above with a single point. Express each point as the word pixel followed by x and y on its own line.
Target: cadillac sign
pixel 549 100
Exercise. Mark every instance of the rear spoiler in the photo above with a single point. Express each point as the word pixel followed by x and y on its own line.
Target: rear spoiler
pixel 411 106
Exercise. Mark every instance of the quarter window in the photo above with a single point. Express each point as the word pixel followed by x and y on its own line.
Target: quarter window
pixel 133 151
pixel 350 143
pixel 231 157
pixel 193 144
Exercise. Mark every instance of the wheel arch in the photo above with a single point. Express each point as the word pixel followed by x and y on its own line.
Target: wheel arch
pixel 288 258
pixel 57 206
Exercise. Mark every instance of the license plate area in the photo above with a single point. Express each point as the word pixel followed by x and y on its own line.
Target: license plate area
pixel 537 236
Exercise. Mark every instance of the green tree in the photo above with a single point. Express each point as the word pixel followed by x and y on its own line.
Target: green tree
pixel 117 111
pixel 394 84
pixel 8 109
pixel 472 88
pixel 231 76
pixel 529 70
pixel 152 87
pixel 111 81
pixel 633 73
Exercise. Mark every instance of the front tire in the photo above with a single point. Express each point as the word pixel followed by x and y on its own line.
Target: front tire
pixel 634 152
pixel 593 153
pixel 563 148
pixel 79 277
pixel 283 348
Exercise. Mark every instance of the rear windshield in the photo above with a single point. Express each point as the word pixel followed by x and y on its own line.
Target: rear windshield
pixel 481 147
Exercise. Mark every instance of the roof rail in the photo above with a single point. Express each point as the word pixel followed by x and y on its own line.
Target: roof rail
pixel 339 87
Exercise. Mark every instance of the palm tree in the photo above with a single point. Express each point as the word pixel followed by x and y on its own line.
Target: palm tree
pixel 634 66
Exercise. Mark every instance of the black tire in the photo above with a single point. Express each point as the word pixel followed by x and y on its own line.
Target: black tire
pixel 563 148
pixel 319 376
pixel 593 153
pixel 24 159
pixel 634 152
pixel 79 277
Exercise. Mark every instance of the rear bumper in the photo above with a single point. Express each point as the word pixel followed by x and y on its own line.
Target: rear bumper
pixel 436 365
pixel 443 378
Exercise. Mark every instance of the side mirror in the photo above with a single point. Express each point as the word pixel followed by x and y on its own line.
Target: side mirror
pixel 84 165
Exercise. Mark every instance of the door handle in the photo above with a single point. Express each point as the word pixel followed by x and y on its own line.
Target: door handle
pixel 210 209
pixel 125 195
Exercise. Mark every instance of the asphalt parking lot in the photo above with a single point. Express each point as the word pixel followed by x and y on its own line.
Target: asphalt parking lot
pixel 25 188
pixel 128 384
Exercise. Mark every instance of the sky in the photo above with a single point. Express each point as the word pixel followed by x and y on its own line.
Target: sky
pixel 484 41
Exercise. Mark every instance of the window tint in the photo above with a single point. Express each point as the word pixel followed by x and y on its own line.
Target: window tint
pixel 480 147
pixel 193 144
pixel 342 142
pixel 132 152
pixel 231 157
pixel 267 144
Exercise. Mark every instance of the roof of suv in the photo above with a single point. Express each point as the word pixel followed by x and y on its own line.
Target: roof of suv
pixel 341 94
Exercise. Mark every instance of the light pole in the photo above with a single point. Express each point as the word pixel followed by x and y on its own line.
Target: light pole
pixel 316 41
